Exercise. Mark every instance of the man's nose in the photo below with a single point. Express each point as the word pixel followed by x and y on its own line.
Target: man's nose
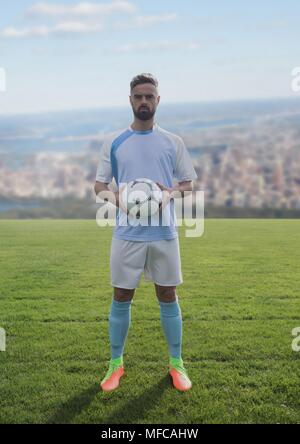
pixel 144 102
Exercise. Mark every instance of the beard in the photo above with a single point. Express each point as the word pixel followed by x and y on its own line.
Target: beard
pixel 143 113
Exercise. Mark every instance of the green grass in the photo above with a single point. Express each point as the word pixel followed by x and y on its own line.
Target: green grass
pixel 239 300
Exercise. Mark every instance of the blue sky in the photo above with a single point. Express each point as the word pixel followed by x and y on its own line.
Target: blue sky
pixel 70 55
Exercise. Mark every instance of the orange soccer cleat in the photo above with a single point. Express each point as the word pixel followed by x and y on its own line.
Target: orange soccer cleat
pixel 113 375
pixel 179 375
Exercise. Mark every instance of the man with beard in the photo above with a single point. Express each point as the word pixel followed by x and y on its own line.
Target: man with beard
pixel 145 150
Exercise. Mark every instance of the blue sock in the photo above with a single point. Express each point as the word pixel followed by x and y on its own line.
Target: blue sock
pixel 170 315
pixel 119 322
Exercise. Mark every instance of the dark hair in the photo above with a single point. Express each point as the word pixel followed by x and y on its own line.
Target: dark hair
pixel 140 79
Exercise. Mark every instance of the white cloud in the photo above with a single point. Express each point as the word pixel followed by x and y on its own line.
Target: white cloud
pixel 83 18
pixel 76 27
pixel 141 21
pixel 144 20
pixel 158 46
pixel 84 9
pixel 44 31
pixel 37 31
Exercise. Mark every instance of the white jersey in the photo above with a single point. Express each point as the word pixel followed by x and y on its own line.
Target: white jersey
pixel 155 154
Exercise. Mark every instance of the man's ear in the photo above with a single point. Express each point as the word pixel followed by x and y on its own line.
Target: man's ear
pixel 158 99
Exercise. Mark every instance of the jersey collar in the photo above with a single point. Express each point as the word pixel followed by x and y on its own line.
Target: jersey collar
pixel 155 126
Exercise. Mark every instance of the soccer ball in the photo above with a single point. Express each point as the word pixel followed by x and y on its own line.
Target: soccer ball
pixel 141 198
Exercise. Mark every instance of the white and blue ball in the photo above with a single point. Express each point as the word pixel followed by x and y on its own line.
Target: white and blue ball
pixel 142 198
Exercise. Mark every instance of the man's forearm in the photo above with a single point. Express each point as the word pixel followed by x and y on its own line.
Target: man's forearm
pixel 106 194
pixel 182 189
pixel 177 191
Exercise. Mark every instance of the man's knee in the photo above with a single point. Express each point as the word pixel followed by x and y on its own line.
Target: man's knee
pixel 165 294
pixel 123 294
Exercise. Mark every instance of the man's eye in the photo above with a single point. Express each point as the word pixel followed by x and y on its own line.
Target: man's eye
pixel 138 97
pixel 150 97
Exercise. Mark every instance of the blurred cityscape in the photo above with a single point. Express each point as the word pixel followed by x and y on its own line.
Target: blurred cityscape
pixel 246 154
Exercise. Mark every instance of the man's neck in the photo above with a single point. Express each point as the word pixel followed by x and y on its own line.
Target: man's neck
pixel 140 125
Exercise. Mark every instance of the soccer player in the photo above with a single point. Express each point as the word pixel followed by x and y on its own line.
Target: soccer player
pixel 145 150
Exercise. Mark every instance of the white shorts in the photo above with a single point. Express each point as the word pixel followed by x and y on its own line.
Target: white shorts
pixel 159 260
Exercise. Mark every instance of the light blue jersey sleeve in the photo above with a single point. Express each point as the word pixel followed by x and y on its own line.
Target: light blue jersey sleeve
pixel 104 171
pixel 184 169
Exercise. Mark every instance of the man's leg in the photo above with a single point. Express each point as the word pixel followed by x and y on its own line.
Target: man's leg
pixel 119 323
pixel 119 320
pixel 127 260
pixel 170 315
pixel 171 320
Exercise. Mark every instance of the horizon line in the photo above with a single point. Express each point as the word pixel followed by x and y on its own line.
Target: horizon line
pixel 121 107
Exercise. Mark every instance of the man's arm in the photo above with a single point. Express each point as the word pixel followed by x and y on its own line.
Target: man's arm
pixel 179 190
pixel 109 195
pixel 185 187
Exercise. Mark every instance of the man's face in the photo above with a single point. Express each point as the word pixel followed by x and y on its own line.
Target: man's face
pixel 144 100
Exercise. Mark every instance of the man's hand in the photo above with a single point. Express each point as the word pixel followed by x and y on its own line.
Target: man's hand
pixel 167 194
pixel 179 190
pixel 114 197
pixel 163 188
pixel 121 204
